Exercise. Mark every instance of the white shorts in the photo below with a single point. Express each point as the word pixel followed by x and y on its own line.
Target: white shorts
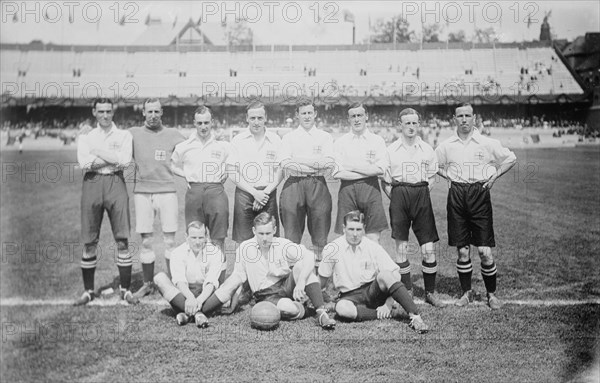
pixel 148 205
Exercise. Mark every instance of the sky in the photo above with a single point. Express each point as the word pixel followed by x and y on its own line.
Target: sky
pixel 290 22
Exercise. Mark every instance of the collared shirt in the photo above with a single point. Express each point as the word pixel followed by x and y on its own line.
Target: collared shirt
pixel 314 143
pixel 204 268
pixel 262 272
pixel 353 268
pixel 367 148
pixel 257 160
pixel 411 164
pixel 473 160
pixel 202 162
pixel 115 140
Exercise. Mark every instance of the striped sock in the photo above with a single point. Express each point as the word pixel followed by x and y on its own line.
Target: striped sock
pixel 124 264
pixel 488 272
pixel 429 273
pixel 465 271
pixel 405 274
pixel 88 270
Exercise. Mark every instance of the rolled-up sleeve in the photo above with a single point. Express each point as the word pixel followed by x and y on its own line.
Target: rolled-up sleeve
pixel 214 269
pixel 84 158
pixel 501 154
pixel 178 270
pixel 432 166
pixel 125 152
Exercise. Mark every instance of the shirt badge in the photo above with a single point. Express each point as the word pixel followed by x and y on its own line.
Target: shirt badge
pixel 160 155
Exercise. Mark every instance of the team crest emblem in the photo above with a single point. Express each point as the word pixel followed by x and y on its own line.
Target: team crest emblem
pixel 270 154
pixel 160 155
pixel 317 149
pixel 371 154
pixel 114 146
pixel 215 154
pixel 479 155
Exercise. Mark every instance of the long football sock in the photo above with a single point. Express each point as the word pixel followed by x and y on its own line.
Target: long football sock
pixel 178 303
pixel 315 294
pixel 124 264
pixel 211 305
pixel 465 271
pixel 401 295
pixel 147 257
pixel 88 270
pixel 405 274
pixel 363 313
pixel 429 273
pixel 488 272
pixel 148 271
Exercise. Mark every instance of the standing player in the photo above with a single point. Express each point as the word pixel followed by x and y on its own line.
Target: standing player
pixel 257 175
pixel 195 268
pixel 154 189
pixel 264 262
pixel 103 153
pixel 407 183
pixel 201 160
pixel 365 276
pixel 306 155
pixel 472 163
pixel 361 158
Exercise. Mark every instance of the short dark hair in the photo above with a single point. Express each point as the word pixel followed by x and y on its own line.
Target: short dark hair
pixel 102 100
pixel 463 105
pixel 355 105
pixel 152 100
pixel 256 104
pixel 202 109
pixel 408 112
pixel 354 216
pixel 304 101
pixel 195 225
pixel 263 219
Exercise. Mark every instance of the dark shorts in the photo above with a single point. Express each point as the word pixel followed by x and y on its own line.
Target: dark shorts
pixel 363 195
pixel 100 193
pixel 196 288
pixel 282 289
pixel 306 199
pixel 243 214
pixel 410 204
pixel 368 294
pixel 470 219
pixel 208 203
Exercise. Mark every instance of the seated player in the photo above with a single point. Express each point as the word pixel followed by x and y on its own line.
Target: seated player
pixel 196 271
pixel 266 262
pixel 365 276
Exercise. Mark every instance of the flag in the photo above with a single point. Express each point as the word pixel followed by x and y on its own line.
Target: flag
pixel 348 17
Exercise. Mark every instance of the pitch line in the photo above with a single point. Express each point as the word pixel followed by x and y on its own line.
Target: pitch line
pixel 15 302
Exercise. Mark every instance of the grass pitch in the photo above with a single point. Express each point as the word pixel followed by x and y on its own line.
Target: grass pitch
pixel 548 235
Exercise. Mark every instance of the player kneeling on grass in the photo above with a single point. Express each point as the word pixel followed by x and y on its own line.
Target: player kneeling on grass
pixel 196 269
pixel 265 261
pixel 365 276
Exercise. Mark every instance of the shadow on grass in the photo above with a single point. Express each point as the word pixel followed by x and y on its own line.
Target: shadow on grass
pixel 580 348
pixel 443 285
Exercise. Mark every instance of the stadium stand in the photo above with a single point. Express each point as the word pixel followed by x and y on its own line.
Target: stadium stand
pixel 505 69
